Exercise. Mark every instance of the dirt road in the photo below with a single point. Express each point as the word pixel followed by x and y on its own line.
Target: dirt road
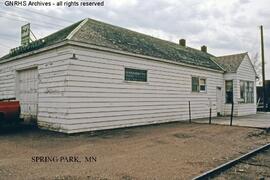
pixel 167 151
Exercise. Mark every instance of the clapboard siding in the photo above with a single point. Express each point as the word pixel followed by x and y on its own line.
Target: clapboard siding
pixel 99 98
pixel 90 93
pixel 246 72
pixel 88 126
pixel 52 70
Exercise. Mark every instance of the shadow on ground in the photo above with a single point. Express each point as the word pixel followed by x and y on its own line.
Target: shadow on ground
pixel 127 132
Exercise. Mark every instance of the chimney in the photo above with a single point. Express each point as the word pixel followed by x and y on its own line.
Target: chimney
pixel 204 48
pixel 182 42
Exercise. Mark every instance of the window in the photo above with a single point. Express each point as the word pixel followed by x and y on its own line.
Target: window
pixel 229 91
pixel 195 84
pixel 242 91
pixel 202 85
pixel 135 75
pixel 250 93
pixel 247 91
pixel 198 84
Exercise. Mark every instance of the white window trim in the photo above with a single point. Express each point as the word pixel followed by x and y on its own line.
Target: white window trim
pixel 205 91
pixel 244 101
pixel 226 89
pixel 200 78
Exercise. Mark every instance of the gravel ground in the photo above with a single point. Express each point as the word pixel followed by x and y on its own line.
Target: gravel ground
pixel 167 151
pixel 257 167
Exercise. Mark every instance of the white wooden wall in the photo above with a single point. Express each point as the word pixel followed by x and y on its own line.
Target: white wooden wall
pixel 89 93
pixel 245 72
pixel 98 97
pixel 52 73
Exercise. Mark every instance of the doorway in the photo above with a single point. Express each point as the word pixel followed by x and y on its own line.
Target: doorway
pixel 27 93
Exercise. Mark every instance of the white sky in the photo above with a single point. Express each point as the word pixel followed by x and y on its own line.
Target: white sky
pixel 225 27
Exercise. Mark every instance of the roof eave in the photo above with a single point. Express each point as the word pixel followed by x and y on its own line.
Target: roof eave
pixel 230 71
pixel 47 48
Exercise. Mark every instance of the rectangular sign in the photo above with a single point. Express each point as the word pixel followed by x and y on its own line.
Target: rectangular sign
pixel 135 75
pixel 25 35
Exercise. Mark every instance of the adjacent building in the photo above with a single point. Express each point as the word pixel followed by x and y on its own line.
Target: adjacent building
pixel 240 84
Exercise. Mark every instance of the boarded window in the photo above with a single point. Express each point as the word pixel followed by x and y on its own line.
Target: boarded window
pixel 229 91
pixel 135 75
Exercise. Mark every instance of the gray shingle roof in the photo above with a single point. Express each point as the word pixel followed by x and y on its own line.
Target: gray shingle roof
pixel 113 37
pixel 230 63
pixel 54 38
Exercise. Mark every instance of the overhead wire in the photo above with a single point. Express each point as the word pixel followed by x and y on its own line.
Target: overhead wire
pixel 36 24
pixel 8 37
pixel 53 17
pixel 3 45
pixel 26 18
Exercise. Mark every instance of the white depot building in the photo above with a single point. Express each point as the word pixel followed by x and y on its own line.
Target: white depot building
pixel 92 76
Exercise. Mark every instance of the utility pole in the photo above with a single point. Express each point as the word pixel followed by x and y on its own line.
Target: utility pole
pixel 263 71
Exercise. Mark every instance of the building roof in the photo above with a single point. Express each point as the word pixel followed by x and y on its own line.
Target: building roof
pixel 109 36
pixel 230 63
pixel 54 38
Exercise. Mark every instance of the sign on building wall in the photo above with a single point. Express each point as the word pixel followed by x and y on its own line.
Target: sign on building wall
pixel 25 35
pixel 135 75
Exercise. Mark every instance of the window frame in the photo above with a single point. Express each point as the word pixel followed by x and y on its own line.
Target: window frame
pixel 199 84
pixel 136 81
pixel 248 94
pixel 205 86
pixel 226 96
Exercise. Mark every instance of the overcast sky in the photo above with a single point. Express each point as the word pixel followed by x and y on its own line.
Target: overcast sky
pixel 226 27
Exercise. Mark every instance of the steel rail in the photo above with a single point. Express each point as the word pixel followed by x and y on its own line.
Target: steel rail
pixel 228 165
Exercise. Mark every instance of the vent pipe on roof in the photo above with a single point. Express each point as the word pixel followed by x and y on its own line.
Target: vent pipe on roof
pixel 204 48
pixel 182 42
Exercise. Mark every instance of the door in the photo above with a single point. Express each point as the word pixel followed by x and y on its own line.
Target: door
pixel 27 93
pixel 219 100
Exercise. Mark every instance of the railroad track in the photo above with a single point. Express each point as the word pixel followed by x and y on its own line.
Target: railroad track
pixel 224 167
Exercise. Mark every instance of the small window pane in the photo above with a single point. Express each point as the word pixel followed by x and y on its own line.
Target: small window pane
pixel 195 84
pixel 229 91
pixel 202 88
pixel 202 81
pixel 229 85
pixel 250 92
pixel 242 91
pixel 202 85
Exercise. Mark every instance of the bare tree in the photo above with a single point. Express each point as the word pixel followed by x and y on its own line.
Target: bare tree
pixel 255 59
